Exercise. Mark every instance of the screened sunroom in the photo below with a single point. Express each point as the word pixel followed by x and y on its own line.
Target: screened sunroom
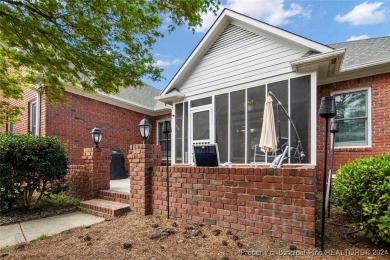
pixel 234 120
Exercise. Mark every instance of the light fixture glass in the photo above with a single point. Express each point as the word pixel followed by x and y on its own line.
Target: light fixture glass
pixel 145 129
pixel 96 135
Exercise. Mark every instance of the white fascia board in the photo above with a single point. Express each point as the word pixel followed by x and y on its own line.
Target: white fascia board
pixel 358 72
pixel 116 101
pixel 365 65
pixel 171 98
pixel 317 58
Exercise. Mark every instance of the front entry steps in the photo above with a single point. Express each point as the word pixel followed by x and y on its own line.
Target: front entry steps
pixel 104 208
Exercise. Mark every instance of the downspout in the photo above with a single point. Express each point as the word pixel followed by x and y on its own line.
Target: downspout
pixel 38 113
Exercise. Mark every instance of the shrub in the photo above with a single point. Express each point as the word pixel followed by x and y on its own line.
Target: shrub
pixel 30 164
pixel 362 188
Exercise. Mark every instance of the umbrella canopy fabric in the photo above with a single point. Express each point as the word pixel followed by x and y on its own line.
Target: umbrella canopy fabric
pixel 268 141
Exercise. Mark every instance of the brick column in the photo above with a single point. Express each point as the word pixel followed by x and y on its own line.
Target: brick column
pixel 142 157
pixel 97 168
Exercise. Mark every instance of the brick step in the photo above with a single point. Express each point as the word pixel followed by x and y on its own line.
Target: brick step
pixel 122 197
pixel 104 208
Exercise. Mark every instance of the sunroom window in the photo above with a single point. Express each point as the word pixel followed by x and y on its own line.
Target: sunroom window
pixel 352 115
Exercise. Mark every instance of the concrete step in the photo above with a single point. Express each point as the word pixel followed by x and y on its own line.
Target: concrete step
pixel 104 208
pixel 118 196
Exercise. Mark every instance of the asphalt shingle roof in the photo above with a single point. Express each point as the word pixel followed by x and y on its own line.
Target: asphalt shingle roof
pixel 143 96
pixel 364 51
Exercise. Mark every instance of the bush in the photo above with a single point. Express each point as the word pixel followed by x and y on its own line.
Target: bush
pixel 30 165
pixel 362 188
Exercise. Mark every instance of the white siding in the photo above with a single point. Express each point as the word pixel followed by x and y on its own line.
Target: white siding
pixel 237 57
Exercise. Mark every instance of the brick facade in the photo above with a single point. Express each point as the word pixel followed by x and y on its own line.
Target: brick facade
pixel 72 123
pixel 380 120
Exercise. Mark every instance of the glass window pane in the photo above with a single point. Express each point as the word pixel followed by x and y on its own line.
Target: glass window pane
pixel 221 123
pixel 255 107
pixel 201 102
pixel 300 115
pixel 237 126
pixel 179 133
pixel 162 140
pixel 352 132
pixel 351 105
pixel 33 117
pixel 280 90
pixel 201 125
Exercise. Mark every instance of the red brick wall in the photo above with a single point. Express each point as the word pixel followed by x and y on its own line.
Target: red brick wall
pixel 22 124
pixel 72 124
pixel 380 118
pixel 77 182
pixel 279 203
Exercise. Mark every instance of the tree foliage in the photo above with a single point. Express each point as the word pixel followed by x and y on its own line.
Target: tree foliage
pixel 96 45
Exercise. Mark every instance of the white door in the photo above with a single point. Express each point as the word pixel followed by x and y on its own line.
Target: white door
pixel 201 131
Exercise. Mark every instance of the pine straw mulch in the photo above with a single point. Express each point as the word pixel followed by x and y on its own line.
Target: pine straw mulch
pixel 129 237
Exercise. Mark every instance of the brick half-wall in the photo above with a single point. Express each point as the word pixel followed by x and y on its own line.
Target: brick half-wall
pixel 380 120
pixel 278 203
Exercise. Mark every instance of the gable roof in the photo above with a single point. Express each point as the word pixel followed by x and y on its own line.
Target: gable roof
pixel 228 16
pixel 364 52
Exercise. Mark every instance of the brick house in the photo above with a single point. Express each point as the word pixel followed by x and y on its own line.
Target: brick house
pixel 118 116
pixel 218 95
pixel 223 84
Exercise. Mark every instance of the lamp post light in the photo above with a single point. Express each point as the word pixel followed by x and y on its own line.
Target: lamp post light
pixel 167 130
pixel 333 129
pixel 327 110
pixel 145 129
pixel 96 135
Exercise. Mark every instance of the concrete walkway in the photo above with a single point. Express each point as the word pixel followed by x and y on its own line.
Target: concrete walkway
pixel 122 185
pixel 30 230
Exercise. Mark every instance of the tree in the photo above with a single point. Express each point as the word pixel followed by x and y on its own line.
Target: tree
pixel 96 45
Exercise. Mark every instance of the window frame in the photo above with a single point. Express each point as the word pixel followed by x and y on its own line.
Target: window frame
pixel 345 145
pixel 31 103
pixel 10 127
pixel 158 135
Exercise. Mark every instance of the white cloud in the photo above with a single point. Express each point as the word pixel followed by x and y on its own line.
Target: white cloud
pixel 273 12
pixel 365 13
pixel 167 62
pixel 355 38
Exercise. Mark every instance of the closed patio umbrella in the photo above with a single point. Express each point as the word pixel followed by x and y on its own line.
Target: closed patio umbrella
pixel 268 141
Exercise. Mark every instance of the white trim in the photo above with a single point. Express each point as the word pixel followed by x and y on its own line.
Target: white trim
pixel 173 135
pixel 313 124
pixel 369 116
pixel 246 126
pixel 317 58
pixel 33 102
pixel 365 65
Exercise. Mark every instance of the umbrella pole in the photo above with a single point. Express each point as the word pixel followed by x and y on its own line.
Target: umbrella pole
pixel 300 148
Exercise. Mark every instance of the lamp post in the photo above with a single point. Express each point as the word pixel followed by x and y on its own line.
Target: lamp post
pixel 333 129
pixel 96 135
pixel 327 110
pixel 167 130
pixel 145 129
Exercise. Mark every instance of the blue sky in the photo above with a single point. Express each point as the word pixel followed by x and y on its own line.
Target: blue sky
pixel 326 22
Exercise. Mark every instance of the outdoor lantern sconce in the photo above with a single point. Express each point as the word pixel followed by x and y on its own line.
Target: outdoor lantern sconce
pixel 145 129
pixel 96 135
pixel 327 110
